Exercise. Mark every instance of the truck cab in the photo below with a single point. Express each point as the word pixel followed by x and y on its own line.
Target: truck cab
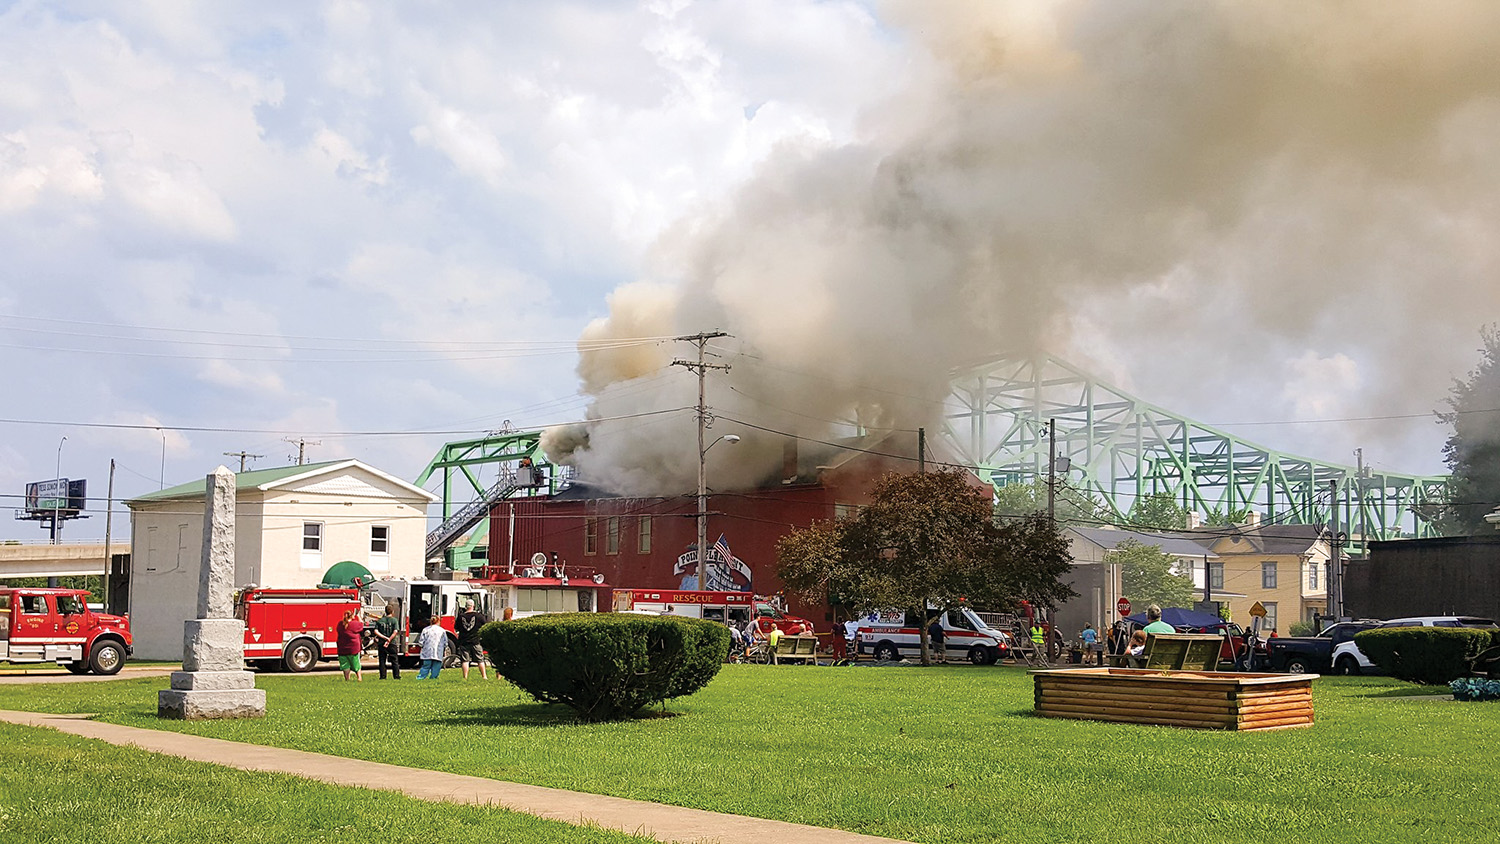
pixel 57 625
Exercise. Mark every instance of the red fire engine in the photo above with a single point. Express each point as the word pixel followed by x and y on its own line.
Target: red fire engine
pixel 56 625
pixel 726 607
pixel 292 628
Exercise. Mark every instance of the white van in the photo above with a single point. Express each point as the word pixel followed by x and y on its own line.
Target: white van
pixel 890 635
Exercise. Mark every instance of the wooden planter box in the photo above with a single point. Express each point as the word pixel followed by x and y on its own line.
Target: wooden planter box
pixel 1197 699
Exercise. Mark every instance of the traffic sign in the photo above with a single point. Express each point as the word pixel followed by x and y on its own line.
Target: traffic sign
pixel 1123 606
pixel 1258 610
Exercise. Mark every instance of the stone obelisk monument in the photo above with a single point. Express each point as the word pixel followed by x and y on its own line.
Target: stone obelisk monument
pixel 213 682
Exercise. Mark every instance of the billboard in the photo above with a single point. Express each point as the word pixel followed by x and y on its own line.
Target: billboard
pixel 59 494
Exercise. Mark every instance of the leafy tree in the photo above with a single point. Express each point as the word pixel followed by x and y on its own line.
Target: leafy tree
pixel 1158 510
pixel 1473 450
pixel 1146 572
pixel 1218 517
pixel 1072 504
pixel 927 542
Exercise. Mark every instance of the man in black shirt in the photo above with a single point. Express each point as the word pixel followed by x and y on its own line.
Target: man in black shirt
pixel 466 628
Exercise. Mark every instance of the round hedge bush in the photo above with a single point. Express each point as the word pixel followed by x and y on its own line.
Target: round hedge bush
pixel 606 666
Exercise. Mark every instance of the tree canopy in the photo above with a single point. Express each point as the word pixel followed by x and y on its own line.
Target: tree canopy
pixel 1158 510
pixel 1473 450
pixel 926 542
pixel 1071 503
pixel 1146 572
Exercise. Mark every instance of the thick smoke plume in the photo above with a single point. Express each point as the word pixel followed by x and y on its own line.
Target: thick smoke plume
pixel 1227 173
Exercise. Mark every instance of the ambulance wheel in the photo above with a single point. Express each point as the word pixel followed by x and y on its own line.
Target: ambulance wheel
pixel 79 667
pixel 301 656
pixel 979 655
pixel 886 652
pixel 107 658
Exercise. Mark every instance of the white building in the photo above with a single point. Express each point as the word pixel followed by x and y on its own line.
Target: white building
pixel 291 525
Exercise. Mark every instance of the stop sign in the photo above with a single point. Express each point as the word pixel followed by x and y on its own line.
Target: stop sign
pixel 1123 606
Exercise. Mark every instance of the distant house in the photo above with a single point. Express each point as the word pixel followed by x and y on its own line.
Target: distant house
pixel 1098 582
pixel 1283 567
pixel 291 525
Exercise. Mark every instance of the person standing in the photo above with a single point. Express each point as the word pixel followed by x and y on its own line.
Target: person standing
pixel 935 636
pixel 466 627
pixel 388 641
pixel 349 644
pixel 1090 640
pixel 434 641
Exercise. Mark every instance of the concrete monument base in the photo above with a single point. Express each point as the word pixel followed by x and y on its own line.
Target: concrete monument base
pixel 206 704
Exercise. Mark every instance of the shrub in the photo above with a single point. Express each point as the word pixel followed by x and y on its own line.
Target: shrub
pixel 1475 688
pixel 1303 628
pixel 1431 655
pixel 606 666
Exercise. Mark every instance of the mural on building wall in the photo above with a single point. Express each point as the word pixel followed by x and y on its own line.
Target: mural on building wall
pixel 725 572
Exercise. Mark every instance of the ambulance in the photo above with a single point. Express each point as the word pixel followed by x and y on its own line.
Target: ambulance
pixel 891 634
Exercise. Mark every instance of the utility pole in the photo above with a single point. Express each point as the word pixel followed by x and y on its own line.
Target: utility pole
pixel 701 368
pixel 109 512
pixel 1335 572
pixel 1052 471
pixel 921 451
pixel 244 454
pixel 302 445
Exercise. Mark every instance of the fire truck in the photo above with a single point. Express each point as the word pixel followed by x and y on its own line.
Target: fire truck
pixel 497 592
pixel 56 625
pixel 724 607
pixel 292 628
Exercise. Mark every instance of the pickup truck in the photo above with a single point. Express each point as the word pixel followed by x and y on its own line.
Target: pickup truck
pixel 1313 654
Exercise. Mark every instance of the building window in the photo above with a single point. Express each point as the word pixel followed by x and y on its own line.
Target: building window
pixel 612 535
pixel 643 542
pixel 1216 575
pixel 1268 575
pixel 1312 576
pixel 842 511
pixel 380 539
pixel 1270 614
pixel 312 536
pixel 590 536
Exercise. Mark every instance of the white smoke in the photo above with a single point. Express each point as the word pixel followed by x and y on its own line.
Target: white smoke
pixel 1265 169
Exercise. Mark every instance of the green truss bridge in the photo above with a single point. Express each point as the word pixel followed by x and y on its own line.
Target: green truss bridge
pixel 1121 448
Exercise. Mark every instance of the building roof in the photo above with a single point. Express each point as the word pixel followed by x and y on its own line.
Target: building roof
pixel 1267 538
pixel 1109 538
pixel 268 479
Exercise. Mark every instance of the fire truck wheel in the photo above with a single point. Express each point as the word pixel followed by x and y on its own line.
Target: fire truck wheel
pixel 301 656
pixel 450 659
pixel 107 657
pixel 79 667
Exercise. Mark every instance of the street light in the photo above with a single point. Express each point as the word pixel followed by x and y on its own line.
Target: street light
pixel 703 504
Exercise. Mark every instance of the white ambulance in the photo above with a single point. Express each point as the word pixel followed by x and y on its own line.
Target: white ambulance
pixel 890 635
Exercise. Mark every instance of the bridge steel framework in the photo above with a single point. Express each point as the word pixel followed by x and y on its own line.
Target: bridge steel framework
pixel 1122 448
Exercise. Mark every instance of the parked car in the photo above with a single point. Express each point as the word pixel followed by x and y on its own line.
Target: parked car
pixel 1314 654
pixel 1348 659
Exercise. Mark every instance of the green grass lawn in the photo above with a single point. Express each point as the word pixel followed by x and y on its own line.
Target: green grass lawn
pixel 65 788
pixel 932 755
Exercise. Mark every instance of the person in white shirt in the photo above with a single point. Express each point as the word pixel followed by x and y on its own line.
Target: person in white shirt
pixel 434 641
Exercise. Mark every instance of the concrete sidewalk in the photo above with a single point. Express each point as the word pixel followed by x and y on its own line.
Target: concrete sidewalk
pixel 664 823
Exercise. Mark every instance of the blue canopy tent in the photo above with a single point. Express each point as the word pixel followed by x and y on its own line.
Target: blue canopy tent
pixel 1178 617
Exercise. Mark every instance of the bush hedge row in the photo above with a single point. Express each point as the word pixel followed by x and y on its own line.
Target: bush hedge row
pixel 606 666
pixel 1430 655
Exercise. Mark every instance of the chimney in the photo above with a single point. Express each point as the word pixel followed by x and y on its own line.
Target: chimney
pixel 1252 518
pixel 1194 521
pixel 788 459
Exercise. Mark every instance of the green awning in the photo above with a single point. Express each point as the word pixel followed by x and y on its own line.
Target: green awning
pixel 345 575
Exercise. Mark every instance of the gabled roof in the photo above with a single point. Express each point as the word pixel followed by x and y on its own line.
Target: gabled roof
pixel 269 479
pixel 1109 538
pixel 1267 539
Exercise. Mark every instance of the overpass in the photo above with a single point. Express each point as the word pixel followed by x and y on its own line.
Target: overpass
pixel 20 559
